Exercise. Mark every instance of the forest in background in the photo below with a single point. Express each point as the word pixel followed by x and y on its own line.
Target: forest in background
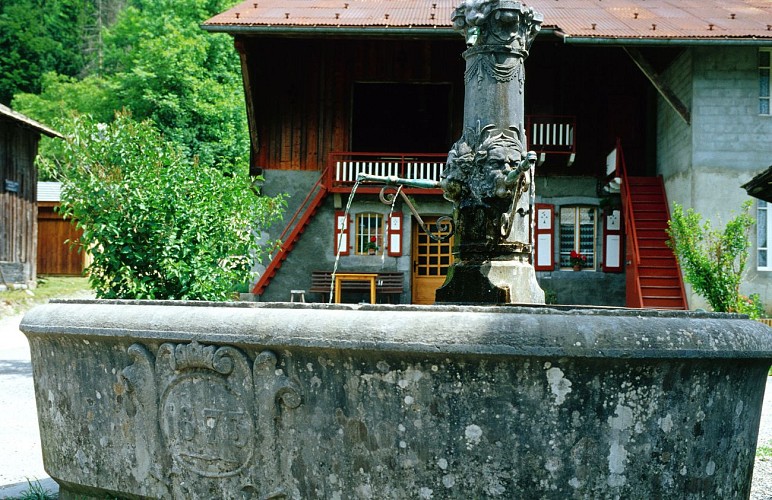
pixel 60 59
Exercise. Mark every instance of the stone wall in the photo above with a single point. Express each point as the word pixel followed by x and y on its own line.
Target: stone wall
pixel 315 249
pixel 567 286
pixel 583 288
pixel 175 400
pixel 15 275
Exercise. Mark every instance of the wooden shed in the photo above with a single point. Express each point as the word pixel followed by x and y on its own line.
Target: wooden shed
pixel 55 253
pixel 19 138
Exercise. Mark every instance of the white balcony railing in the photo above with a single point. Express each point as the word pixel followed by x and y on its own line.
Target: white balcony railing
pixel 347 166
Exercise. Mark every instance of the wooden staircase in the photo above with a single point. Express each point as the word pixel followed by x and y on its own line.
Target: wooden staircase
pixel 292 232
pixel 653 275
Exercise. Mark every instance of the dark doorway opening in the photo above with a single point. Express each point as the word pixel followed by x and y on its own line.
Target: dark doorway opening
pixel 401 117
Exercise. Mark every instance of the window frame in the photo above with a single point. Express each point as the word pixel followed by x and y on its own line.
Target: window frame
pixel 765 72
pixel 576 237
pixel 361 237
pixel 766 230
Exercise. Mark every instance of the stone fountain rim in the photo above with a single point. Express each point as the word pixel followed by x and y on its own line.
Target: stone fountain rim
pixel 563 309
pixel 511 331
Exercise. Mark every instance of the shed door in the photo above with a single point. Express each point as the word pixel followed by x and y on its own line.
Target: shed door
pixel 431 260
pixel 54 255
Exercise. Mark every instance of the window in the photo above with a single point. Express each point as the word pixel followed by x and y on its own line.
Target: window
pixel 369 237
pixel 762 238
pixel 764 76
pixel 577 232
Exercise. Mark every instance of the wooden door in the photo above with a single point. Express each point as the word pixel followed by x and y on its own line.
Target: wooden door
pixel 431 260
pixel 54 255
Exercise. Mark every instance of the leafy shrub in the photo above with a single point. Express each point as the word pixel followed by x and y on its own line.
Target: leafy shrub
pixel 713 262
pixel 158 225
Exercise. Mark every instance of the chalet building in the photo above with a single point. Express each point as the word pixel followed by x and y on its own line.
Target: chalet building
pixel 19 138
pixel 630 106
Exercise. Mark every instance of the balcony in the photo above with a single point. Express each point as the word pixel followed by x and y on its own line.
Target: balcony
pixel 344 167
pixel 552 136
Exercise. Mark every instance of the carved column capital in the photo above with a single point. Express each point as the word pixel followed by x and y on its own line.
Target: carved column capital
pixel 497 26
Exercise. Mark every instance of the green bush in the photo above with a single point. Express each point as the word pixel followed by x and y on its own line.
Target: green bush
pixel 713 262
pixel 158 225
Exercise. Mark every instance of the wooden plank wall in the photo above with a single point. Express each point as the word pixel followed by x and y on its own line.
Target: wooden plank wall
pixel 18 210
pixel 302 90
pixel 54 254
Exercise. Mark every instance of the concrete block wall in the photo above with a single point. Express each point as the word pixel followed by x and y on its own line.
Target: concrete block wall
pixel 674 136
pixel 727 143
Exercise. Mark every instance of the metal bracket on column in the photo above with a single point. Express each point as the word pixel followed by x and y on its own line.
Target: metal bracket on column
pixel 444 223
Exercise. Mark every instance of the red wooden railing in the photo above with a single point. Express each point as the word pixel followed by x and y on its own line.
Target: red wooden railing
pixel 632 254
pixel 627 203
pixel 292 232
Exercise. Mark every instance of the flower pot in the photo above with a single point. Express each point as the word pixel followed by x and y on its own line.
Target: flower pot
pixel 577 267
pixel 371 251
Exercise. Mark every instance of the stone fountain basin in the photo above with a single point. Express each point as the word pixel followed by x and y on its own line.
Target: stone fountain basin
pixel 201 400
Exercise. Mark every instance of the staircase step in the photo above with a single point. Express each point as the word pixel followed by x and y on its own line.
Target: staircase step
pixel 657 271
pixel 651 215
pixel 661 291
pixel 651 224
pixel 652 268
pixel 650 242
pixel 663 302
pixel 649 206
pixel 647 197
pixel 669 281
pixel 655 251
pixel 643 181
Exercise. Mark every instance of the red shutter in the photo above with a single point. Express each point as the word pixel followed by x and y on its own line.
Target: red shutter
pixel 544 238
pixel 394 234
pixel 342 234
pixel 613 255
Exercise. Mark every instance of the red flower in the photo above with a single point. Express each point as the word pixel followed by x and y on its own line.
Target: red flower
pixel 577 259
pixel 373 239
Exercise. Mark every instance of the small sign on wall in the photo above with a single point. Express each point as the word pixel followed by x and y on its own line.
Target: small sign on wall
pixel 11 186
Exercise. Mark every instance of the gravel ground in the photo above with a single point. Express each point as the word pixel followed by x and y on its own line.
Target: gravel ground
pixel 761 488
pixel 21 459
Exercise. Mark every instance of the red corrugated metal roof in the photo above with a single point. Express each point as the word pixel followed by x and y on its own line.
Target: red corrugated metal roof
pixel 655 19
pixel 344 13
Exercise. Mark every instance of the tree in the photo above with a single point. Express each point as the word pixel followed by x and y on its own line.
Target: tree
pixel 713 262
pixel 159 64
pixel 37 37
pixel 158 225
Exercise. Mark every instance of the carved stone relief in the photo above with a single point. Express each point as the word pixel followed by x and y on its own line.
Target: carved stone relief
pixel 214 410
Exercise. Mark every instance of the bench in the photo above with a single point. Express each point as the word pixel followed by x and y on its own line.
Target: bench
pixel 385 283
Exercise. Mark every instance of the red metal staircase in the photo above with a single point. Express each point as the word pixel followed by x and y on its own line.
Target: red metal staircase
pixel 291 234
pixel 653 274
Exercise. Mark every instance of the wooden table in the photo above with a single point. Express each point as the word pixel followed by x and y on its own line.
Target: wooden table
pixel 341 277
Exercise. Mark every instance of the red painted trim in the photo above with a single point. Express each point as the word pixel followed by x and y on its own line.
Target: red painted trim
pixel 394 232
pixel 613 232
pixel 544 232
pixel 341 236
